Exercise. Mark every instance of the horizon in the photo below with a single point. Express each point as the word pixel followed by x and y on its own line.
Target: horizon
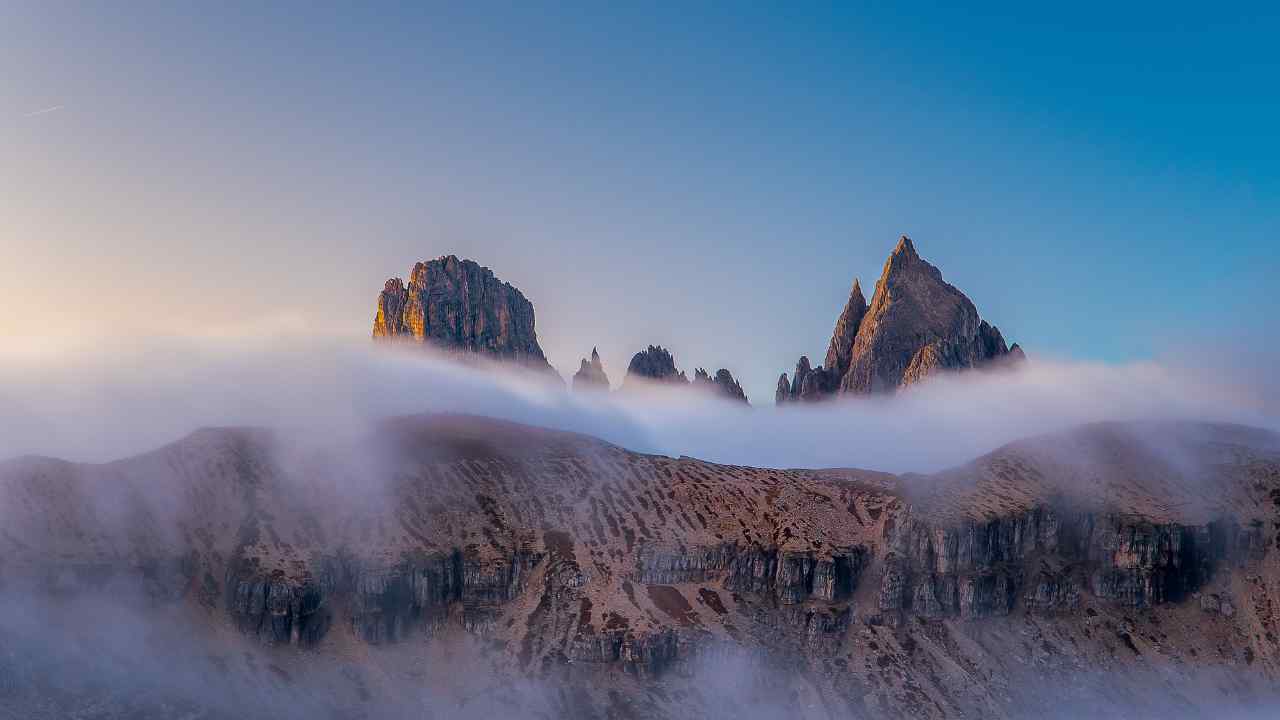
pixel 712 181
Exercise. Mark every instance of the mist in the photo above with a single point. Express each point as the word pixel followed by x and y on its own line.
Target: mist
pixel 118 653
pixel 107 402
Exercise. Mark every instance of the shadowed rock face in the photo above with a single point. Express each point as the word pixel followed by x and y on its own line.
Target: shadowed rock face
pixel 722 382
pixel 591 375
pixel 459 306
pixel 840 350
pixel 656 364
pixel 916 325
pixel 1125 547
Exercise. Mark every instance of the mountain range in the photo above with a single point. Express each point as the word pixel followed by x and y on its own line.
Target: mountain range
pixel 915 326
pixel 457 566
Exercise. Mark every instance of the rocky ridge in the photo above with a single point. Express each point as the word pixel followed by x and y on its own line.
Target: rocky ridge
pixel 722 382
pixel 656 364
pixel 617 576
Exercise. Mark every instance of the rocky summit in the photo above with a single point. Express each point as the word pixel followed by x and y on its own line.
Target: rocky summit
pixel 461 307
pixel 915 326
pixel 454 566
pixel 655 364
pixel 591 375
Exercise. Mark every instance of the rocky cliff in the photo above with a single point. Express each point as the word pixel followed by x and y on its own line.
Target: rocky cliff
pixel 1122 557
pixel 916 325
pixel 459 306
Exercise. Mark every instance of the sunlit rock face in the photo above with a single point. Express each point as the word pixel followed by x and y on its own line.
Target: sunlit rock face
pixel 459 306
pixel 916 325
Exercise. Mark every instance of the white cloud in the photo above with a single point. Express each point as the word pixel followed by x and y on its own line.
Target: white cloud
pixel 110 402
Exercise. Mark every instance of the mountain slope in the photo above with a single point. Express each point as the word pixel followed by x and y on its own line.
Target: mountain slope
pixel 1134 557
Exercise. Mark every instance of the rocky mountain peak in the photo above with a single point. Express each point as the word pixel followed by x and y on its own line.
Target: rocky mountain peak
pixel 460 306
pixel 915 325
pixel 655 363
pixel 591 375
pixel 905 248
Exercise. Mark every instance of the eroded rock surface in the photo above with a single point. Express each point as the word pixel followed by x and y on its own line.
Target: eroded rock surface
pixel 461 307
pixel 621 578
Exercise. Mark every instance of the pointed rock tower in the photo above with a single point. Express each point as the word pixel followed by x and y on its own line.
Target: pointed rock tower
pixel 916 325
pixel 590 375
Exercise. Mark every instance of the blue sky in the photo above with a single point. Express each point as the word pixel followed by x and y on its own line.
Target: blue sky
pixel 1102 179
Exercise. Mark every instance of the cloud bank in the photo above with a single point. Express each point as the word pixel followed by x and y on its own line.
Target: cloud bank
pixel 114 401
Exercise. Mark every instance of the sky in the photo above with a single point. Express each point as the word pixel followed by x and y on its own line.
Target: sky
pixel 1102 180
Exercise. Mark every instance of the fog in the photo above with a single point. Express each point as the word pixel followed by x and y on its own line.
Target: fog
pixel 107 402
pixel 112 656
pixel 108 652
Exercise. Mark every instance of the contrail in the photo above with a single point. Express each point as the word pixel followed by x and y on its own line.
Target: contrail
pixel 42 112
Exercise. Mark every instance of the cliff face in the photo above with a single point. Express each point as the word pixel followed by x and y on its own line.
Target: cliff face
pixel 916 326
pixel 459 306
pixel 1124 549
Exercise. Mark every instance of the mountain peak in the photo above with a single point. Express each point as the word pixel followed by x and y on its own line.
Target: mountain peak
pixel 591 375
pixel 655 363
pixel 915 325
pixel 459 306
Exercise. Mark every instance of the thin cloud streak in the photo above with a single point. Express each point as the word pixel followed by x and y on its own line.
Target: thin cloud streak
pixel 43 111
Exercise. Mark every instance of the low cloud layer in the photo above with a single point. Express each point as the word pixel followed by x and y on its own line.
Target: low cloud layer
pixel 136 658
pixel 112 402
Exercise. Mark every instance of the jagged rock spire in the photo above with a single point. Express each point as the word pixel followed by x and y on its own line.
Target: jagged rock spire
pixel 655 363
pixel 722 383
pixel 916 324
pixel 841 347
pixel 591 375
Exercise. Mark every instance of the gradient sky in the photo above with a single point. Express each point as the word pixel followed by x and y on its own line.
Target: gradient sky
pixel 1103 180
